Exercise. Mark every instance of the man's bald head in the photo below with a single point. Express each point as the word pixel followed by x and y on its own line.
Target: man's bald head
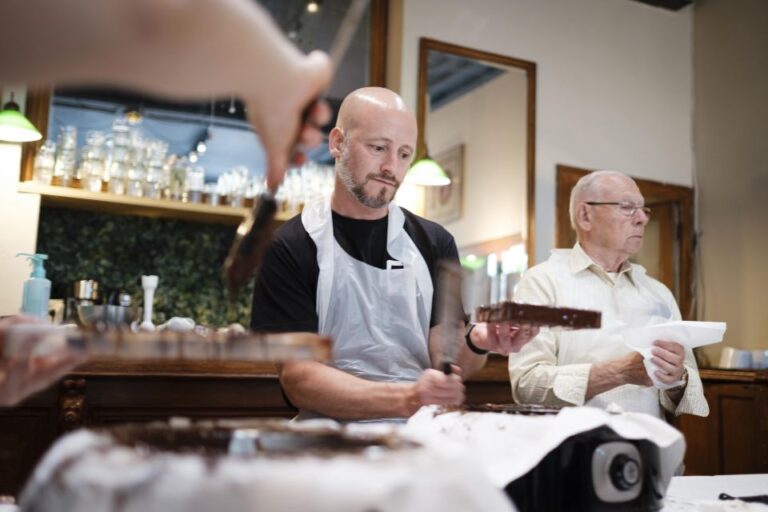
pixel 366 101
pixel 373 143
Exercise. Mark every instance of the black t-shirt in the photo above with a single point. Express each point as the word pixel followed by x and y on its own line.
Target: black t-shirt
pixel 284 298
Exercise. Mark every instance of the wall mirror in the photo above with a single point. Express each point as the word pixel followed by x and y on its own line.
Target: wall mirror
pixel 213 132
pixel 476 115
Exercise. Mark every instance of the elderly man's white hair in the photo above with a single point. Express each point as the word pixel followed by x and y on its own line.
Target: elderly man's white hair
pixel 588 188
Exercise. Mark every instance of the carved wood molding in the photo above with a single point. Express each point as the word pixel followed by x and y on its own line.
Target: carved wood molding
pixel 72 403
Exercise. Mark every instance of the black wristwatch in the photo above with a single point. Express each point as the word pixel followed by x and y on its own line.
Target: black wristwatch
pixel 474 348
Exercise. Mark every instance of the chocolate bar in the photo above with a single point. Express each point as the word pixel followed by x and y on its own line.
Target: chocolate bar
pixel 535 314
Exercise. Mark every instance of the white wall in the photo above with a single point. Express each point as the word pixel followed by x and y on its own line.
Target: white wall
pixel 19 215
pixel 614 86
pixel 731 52
pixel 490 122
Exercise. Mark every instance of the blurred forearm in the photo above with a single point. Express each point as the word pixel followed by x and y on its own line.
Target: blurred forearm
pixel 337 394
pixel 184 48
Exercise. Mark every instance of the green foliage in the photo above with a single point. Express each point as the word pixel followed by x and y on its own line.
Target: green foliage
pixel 117 250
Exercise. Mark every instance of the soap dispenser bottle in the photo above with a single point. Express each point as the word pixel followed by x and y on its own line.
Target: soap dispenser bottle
pixel 37 289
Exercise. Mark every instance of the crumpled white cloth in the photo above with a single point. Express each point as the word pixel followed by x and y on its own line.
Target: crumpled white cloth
pixel 507 446
pixel 178 324
pixel 87 471
pixel 687 333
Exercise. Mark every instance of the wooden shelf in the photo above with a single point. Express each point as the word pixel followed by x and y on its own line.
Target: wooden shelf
pixel 176 368
pixel 79 199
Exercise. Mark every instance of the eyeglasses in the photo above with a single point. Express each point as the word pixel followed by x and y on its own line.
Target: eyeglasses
pixel 628 209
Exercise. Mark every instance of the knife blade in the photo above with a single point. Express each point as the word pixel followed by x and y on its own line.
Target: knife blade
pixel 255 232
pixel 450 315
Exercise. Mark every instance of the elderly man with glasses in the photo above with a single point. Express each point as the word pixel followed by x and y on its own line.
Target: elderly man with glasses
pixel 594 367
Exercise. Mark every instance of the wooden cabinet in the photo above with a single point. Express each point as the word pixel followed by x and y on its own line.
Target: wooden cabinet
pixel 104 393
pixel 25 433
pixel 734 438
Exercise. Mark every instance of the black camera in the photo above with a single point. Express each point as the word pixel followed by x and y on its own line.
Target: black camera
pixel 596 471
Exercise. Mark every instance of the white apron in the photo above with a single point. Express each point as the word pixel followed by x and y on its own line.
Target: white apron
pixel 588 346
pixel 378 318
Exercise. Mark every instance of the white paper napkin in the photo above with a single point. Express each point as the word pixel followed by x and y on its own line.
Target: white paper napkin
pixel 687 333
pixel 509 445
pixel 178 324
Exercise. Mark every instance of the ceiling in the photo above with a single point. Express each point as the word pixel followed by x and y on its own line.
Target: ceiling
pixel 310 31
pixel 451 76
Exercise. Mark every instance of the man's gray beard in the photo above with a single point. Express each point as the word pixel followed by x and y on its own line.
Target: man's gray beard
pixel 358 189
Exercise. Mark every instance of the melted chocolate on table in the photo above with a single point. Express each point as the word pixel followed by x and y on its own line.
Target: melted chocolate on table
pixel 270 440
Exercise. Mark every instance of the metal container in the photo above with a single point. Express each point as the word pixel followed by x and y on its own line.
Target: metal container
pixel 86 290
pixel 89 314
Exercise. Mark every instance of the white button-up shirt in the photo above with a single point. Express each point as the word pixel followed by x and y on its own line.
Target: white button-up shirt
pixel 553 369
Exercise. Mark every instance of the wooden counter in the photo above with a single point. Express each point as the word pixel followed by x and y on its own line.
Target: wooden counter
pixel 103 392
pixel 733 439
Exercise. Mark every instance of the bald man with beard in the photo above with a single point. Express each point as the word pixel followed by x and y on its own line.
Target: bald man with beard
pixel 358 268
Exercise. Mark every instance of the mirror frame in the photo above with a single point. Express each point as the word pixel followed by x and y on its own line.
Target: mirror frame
pixel 38 101
pixel 425 45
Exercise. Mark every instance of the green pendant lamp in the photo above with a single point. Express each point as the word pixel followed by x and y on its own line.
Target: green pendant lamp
pixel 427 173
pixel 14 127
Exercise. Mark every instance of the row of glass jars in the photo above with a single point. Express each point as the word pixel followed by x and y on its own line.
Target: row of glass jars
pixel 126 163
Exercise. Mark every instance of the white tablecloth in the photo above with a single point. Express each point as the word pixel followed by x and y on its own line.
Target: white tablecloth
pixel 699 493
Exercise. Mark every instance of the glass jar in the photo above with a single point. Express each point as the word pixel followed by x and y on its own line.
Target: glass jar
pixel 176 177
pixel 64 168
pixel 212 196
pixel 294 190
pixel 136 171
pixel 238 186
pixel 194 185
pixel 118 157
pixel 91 170
pixel 45 160
pixel 154 157
pixel 135 183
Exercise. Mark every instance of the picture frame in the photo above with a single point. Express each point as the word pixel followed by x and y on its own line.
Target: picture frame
pixel 444 204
